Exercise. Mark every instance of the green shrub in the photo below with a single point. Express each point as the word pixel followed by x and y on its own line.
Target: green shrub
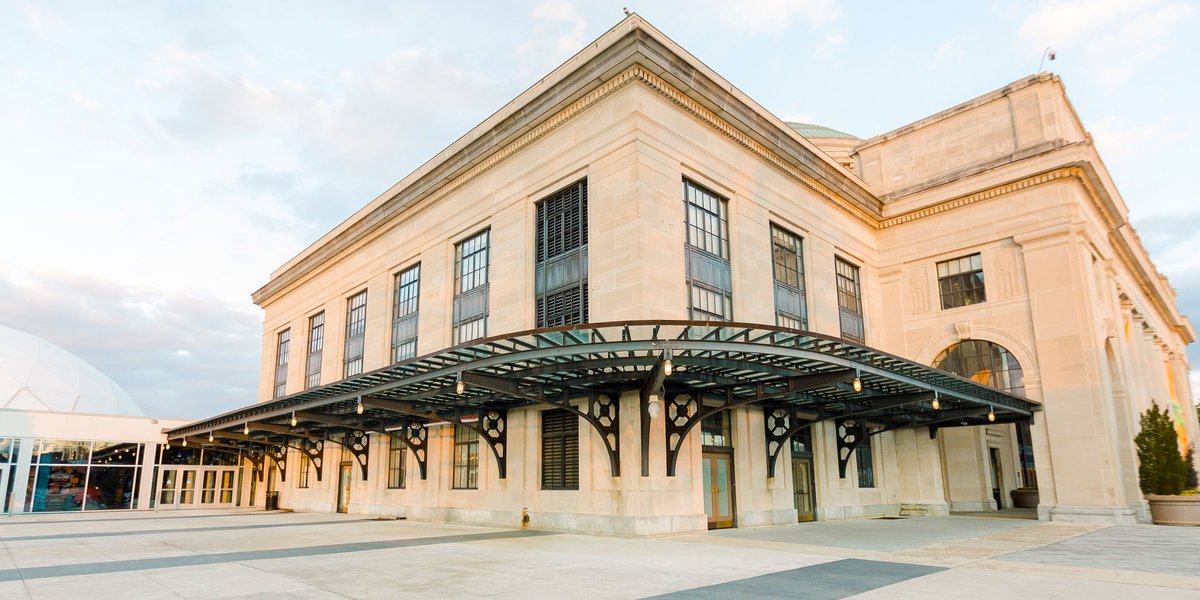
pixel 1161 469
pixel 1190 461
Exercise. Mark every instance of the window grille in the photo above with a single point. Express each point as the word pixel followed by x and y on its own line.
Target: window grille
pixel 471 288
pixel 791 309
pixel 305 468
pixel 560 278
pixel 960 281
pixel 316 342
pixel 560 450
pixel 396 457
pixel 709 277
pixel 865 461
pixel 283 342
pixel 849 292
pixel 405 303
pixel 356 333
pixel 466 458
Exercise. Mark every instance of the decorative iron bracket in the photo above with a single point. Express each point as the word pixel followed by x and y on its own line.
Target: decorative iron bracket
pixel 358 443
pixel 782 425
pixel 315 451
pixel 415 436
pixel 603 412
pixel 682 412
pixel 257 457
pixel 850 434
pixel 492 427
pixel 278 453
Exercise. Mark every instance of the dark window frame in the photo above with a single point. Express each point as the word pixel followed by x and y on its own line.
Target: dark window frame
pixel 478 261
pixel 848 277
pixel 397 457
pixel 708 266
pixel 560 450
pixel 465 472
pixel 356 335
pixel 316 347
pixel 560 257
pixel 864 462
pixel 283 344
pixel 305 468
pixel 961 283
pixel 406 307
pixel 787 270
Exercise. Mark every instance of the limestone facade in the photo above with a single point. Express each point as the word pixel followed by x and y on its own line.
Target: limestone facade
pixel 1011 176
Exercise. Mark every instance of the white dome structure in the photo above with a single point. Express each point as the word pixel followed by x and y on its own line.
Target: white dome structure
pixel 37 375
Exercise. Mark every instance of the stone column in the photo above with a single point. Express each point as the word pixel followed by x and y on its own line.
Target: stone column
pixel 1076 418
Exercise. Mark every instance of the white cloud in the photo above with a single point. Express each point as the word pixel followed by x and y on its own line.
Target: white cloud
pixel 557 34
pixel 1117 141
pixel 948 54
pixel 776 16
pixel 79 99
pixel 1110 37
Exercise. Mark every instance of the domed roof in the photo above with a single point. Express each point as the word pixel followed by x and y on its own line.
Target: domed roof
pixel 37 375
pixel 810 130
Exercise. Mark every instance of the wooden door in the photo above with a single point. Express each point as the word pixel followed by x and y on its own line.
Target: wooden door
pixel 344 479
pixel 802 482
pixel 718 489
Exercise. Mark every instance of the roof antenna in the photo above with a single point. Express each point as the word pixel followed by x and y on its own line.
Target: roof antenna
pixel 1047 53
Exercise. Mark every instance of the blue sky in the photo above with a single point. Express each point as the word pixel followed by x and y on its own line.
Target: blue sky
pixel 160 159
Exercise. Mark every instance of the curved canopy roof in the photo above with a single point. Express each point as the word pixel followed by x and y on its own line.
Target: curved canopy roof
pixel 37 375
pixel 744 363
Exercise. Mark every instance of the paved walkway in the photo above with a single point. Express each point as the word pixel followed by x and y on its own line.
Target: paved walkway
pixel 232 554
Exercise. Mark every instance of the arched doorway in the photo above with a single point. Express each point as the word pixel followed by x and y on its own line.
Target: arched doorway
pixel 991 364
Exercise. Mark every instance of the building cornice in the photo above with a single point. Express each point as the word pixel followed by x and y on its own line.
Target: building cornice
pixel 631 51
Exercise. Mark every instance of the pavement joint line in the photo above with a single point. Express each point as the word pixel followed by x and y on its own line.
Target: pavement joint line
pixel 304 583
pixel 148 532
pixel 136 515
pixel 200 558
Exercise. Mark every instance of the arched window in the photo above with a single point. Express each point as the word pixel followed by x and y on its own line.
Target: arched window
pixel 992 364
pixel 984 362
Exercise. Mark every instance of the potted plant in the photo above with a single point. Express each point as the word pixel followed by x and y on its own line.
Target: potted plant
pixel 1025 497
pixel 1163 472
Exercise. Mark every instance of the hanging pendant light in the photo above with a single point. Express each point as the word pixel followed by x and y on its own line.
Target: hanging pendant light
pixel 991 415
pixel 185 442
pixel 459 385
pixel 857 383
pixel 937 405
pixel 293 418
pixel 246 429
pixel 210 436
pixel 359 409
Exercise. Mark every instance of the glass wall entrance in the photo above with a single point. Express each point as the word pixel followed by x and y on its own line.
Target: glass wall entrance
pixel 70 475
pixel 194 478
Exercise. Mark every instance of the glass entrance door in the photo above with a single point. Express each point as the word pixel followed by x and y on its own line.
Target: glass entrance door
pixel 167 493
pixel 344 479
pixel 997 477
pixel 718 489
pixel 802 481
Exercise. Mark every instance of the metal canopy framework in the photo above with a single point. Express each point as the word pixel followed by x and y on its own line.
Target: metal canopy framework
pixel 684 371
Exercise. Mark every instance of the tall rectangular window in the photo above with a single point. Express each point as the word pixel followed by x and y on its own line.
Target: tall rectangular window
pixel 791 309
pixel 849 293
pixel 560 450
pixel 396 456
pixel 709 278
pixel 560 278
pixel 471 287
pixel 960 281
pixel 466 458
pixel 316 342
pixel 404 313
pixel 865 461
pixel 305 469
pixel 356 334
pixel 283 342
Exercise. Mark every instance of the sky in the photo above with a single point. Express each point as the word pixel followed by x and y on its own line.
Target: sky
pixel 159 159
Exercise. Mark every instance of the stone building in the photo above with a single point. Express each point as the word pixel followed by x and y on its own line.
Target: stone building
pixel 633 300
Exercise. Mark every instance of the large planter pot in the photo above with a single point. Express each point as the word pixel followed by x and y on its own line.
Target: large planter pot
pixel 1025 498
pixel 1174 510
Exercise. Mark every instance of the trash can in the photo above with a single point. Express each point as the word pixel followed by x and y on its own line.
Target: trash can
pixel 272 501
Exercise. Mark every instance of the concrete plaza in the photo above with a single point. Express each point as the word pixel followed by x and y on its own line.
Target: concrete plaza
pixel 256 554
